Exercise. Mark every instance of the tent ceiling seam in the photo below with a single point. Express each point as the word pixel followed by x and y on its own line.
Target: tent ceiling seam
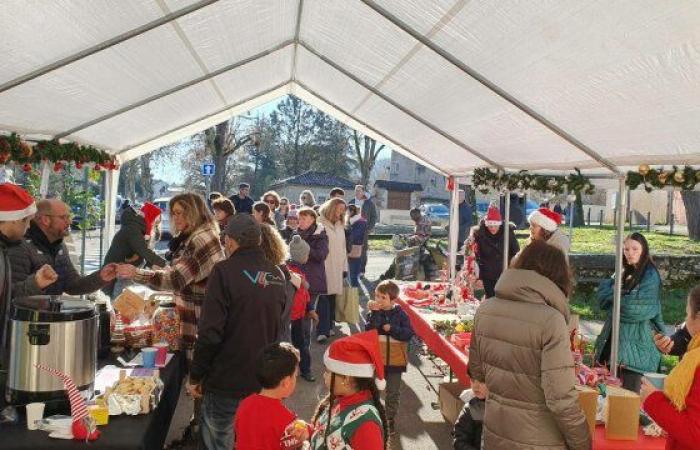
pixel 104 45
pixel 297 31
pixel 188 45
pixel 175 89
pixel 491 86
pixel 394 142
pixel 444 20
pixel 232 106
pixel 400 107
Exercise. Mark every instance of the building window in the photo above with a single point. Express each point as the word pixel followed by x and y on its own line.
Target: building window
pixel 420 170
pixel 396 167
pixel 433 183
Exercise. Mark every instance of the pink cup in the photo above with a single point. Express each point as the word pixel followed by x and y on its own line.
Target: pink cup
pixel 161 353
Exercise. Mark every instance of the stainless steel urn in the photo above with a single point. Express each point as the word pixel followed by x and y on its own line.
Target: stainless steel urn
pixel 58 332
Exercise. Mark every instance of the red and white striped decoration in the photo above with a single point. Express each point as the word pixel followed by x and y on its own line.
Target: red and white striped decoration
pixel 78 408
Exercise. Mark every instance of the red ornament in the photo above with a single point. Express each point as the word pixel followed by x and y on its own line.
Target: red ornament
pixel 27 167
pixel 57 166
pixel 451 183
pixel 78 165
pixel 97 168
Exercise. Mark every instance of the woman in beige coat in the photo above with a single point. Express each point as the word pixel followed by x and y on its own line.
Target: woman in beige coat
pixel 332 217
pixel 521 350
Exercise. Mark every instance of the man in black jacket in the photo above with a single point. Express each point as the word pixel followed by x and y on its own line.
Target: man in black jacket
pixel 240 316
pixel 241 201
pixel 42 245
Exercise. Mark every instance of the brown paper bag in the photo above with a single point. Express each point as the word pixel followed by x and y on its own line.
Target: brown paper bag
pixel 588 399
pixel 622 414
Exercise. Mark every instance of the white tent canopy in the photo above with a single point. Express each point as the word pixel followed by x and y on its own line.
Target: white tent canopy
pixel 458 84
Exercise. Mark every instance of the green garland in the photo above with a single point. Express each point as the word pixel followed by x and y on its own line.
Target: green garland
pixel 486 179
pixel 15 150
pixel 683 178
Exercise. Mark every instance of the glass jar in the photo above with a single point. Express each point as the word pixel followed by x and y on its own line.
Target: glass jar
pixel 166 325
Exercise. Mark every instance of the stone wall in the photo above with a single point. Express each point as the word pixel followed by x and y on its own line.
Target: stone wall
pixel 674 270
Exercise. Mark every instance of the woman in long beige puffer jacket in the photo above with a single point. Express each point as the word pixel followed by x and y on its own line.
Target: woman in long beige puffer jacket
pixel 521 350
pixel 332 217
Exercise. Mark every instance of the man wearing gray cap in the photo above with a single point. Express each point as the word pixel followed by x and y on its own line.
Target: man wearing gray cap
pixel 241 315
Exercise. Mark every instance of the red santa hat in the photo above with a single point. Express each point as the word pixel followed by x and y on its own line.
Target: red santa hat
pixel 83 426
pixel 15 203
pixel 358 356
pixel 546 218
pixel 493 217
pixel 150 213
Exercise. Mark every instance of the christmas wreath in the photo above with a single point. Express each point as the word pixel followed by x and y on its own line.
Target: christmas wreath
pixel 486 179
pixel 15 150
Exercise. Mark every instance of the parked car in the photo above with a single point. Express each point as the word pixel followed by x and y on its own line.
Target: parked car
pixel 438 214
pixel 163 203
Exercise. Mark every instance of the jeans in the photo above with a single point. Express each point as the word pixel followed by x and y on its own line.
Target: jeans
pixel 301 336
pixel 490 287
pixel 393 393
pixel 631 380
pixel 216 429
pixel 354 266
pixel 326 314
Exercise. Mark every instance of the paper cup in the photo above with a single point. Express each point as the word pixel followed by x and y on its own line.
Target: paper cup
pixel 35 412
pixel 161 353
pixel 657 379
pixel 149 357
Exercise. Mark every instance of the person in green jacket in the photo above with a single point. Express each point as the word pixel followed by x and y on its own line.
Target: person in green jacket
pixel 640 314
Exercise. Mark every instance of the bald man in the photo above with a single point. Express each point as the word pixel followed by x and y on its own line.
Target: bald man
pixel 43 245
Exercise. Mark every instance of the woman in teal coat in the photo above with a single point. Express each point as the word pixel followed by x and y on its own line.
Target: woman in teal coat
pixel 640 314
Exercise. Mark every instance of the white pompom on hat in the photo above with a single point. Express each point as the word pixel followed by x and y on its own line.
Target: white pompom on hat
pixel 357 355
pixel 546 218
pixel 15 203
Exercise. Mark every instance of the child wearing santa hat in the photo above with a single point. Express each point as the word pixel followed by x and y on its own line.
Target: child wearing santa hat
pixel 544 226
pixel 352 415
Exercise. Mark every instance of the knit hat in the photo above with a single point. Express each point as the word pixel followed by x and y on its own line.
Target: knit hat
pixel 150 214
pixel 83 426
pixel 357 355
pixel 299 249
pixel 15 203
pixel 546 218
pixel 493 217
pixel 244 229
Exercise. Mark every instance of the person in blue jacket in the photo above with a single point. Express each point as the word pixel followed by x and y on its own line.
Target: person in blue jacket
pixel 640 314
pixel 357 227
pixel 395 330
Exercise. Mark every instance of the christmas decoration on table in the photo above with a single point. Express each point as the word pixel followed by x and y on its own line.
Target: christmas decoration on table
pixel 83 427
pixel 486 179
pixel 15 150
pixel 684 178
pixel 466 279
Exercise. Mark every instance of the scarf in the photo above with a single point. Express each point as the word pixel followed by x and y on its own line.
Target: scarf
pixel 680 380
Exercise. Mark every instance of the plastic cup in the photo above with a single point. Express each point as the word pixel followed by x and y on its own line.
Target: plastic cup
pixel 35 412
pixel 657 379
pixel 161 353
pixel 149 357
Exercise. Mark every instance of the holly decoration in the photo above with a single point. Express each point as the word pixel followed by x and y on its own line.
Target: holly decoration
pixel 15 150
pixel 27 167
pixel 57 166
pixel 486 179
pixel 684 178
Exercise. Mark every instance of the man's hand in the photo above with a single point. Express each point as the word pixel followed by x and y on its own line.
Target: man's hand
pixel 386 327
pixel 126 271
pixel 663 343
pixel 194 390
pixel 109 272
pixel 313 315
pixel 647 389
pixel 45 276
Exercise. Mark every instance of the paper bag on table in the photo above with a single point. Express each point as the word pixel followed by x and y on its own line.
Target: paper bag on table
pixel 621 414
pixel 129 304
pixel 588 399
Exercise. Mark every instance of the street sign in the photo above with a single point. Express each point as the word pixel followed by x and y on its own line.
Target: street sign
pixel 208 170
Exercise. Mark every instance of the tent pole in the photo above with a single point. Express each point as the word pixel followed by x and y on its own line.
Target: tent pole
pixel 506 230
pixel 615 338
pixel 454 230
pixel 111 185
pixel 45 173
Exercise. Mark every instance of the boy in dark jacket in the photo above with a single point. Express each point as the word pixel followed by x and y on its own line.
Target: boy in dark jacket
pixel 394 328
pixel 470 423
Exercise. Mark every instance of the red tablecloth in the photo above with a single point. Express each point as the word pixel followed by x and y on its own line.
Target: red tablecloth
pixel 454 358
pixel 643 443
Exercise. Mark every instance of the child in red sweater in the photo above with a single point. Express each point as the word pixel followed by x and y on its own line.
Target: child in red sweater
pixel 677 408
pixel 262 421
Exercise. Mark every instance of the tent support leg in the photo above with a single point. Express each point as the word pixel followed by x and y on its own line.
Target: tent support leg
pixel 454 231
pixel 506 230
pixel 615 338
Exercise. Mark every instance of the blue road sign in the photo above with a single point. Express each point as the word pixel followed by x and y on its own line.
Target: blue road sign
pixel 208 170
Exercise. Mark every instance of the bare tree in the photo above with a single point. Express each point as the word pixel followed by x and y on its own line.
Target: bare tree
pixel 221 141
pixel 366 153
